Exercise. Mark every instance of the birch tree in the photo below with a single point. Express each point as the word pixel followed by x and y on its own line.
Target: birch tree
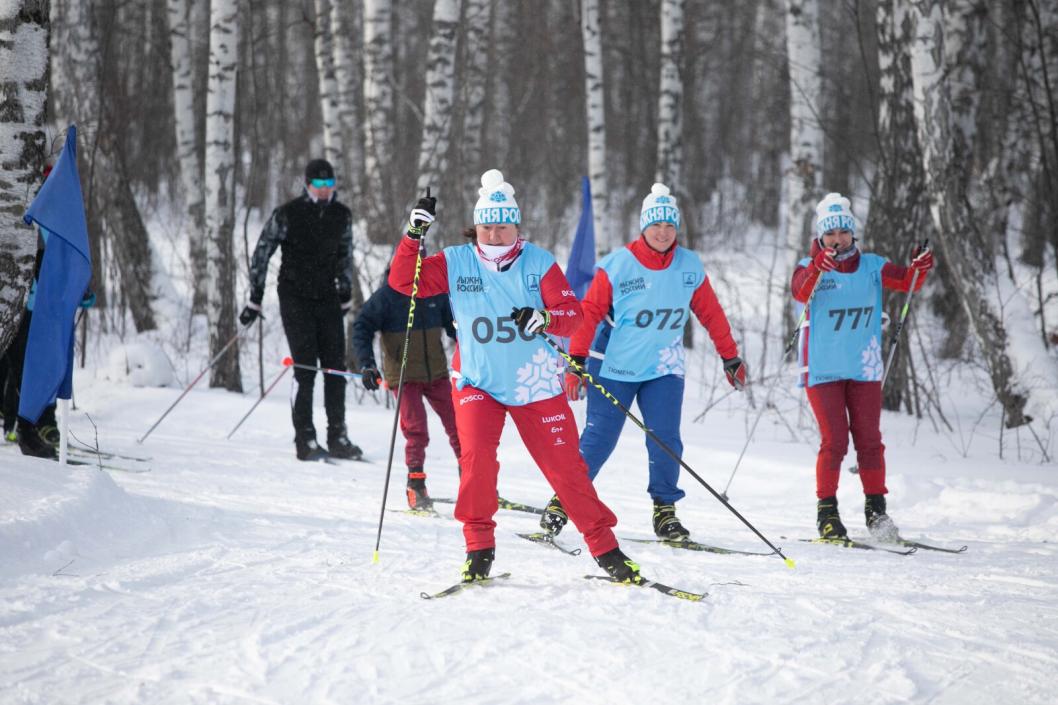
pixel 899 213
pixel 24 30
pixel 187 144
pixel 347 80
pixel 595 91
pixel 113 211
pixel 220 194
pixel 473 83
pixel 379 117
pixel 945 53
pixel 806 132
pixel 324 49
pixel 440 89
pixel 670 97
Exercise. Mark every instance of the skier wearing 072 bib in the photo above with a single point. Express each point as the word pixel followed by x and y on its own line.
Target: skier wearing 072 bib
pixel 503 366
pixel 842 350
pixel 647 290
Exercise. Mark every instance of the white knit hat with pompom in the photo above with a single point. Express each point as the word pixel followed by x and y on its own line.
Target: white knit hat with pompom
pixel 659 207
pixel 496 204
pixel 834 212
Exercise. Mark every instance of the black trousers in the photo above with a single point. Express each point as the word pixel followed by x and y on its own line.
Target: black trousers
pixel 316 335
pixel 11 379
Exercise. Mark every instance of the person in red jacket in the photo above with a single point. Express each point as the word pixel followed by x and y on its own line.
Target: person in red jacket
pixel 646 291
pixel 506 293
pixel 842 352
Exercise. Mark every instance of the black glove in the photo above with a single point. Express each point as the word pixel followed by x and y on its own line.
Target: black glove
pixel 257 296
pixel 530 320
pixel 736 372
pixel 250 314
pixel 370 377
pixel 422 215
pixel 345 298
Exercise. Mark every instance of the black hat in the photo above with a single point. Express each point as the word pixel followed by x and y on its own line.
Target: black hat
pixel 319 169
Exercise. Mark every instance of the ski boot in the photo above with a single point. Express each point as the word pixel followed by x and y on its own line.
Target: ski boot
pixel 828 521
pixel 666 525
pixel 619 566
pixel 880 526
pixel 418 498
pixel 30 442
pixel 478 564
pixel 50 435
pixel 339 445
pixel 307 448
pixel 554 517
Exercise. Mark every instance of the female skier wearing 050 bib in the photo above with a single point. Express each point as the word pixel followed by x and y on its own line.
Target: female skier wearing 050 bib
pixel 648 291
pixel 842 349
pixel 502 366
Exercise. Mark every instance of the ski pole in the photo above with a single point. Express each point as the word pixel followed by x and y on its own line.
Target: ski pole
pixel 903 316
pixel 767 399
pixel 400 385
pixel 201 374
pixel 588 379
pixel 288 362
pixel 286 368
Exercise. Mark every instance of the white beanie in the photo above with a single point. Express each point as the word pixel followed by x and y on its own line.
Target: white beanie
pixel 659 207
pixel 834 212
pixel 496 204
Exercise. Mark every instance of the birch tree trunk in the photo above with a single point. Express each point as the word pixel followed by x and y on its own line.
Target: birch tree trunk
pixel 347 80
pixel 606 238
pixel 899 213
pixel 670 97
pixel 473 81
pixel 187 145
pixel 379 118
pixel 324 46
pixel 806 131
pixel 440 89
pixel 76 82
pixel 945 54
pixel 24 34
pixel 220 195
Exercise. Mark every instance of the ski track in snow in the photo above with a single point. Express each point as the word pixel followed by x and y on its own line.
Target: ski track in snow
pixel 231 573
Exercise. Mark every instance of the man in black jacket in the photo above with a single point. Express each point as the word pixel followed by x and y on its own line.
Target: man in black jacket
pixel 425 372
pixel 315 292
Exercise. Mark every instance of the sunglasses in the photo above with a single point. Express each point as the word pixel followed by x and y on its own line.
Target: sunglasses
pixel 322 183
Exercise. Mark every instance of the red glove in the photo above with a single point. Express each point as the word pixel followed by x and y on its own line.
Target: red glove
pixel 574 383
pixel 736 372
pixel 824 261
pixel 575 387
pixel 923 260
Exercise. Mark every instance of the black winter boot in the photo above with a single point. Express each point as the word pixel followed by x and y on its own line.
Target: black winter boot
pixel 828 521
pixel 880 526
pixel 339 445
pixel 619 566
pixel 666 525
pixel 418 498
pixel 30 442
pixel 478 564
pixel 554 517
pixel 307 448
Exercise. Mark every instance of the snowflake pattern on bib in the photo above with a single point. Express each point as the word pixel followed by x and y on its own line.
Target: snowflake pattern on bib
pixel 871 357
pixel 539 379
pixel 671 358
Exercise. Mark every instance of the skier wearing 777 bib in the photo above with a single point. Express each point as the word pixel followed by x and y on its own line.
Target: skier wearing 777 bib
pixel 503 366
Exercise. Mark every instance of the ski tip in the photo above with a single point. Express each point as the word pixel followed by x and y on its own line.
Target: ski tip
pixel 789 562
pixel 374 557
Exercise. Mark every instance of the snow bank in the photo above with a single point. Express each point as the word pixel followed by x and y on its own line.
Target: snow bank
pixel 141 364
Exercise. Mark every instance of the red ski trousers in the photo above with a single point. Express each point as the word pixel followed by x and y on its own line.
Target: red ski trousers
pixel 413 423
pixel 841 407
pixel 549 432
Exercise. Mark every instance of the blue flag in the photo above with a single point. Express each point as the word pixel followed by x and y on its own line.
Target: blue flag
pixel 581 266
pixel 64 275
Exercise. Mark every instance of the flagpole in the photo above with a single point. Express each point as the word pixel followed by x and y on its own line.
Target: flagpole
pixel 64 428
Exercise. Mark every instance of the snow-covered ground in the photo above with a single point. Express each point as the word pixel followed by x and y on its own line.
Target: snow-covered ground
pixel 232 573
